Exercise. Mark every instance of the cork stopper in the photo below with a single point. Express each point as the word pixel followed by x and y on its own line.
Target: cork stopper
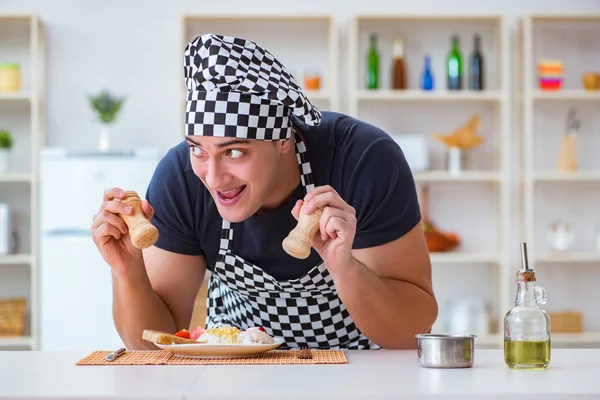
pixel 525 274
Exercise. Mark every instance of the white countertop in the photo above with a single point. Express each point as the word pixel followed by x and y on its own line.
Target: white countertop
pixel 384 374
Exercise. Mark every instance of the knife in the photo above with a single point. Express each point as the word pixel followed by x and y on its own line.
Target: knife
pixel 113 356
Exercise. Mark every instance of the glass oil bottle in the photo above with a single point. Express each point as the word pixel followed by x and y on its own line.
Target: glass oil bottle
pixel 527 326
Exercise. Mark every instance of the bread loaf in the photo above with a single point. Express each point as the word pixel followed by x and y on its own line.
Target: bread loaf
pixel 165 338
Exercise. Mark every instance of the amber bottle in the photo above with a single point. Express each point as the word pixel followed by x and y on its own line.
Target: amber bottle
pixel 398 66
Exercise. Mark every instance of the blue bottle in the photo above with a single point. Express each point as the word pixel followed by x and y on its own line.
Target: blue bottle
pixel 427 82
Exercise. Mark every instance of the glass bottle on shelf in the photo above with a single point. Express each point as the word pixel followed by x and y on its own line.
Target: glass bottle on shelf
pixel 527 326
pixel 454 66
pixel 476 65
pixel 427 82
pixel 398 67
pixel 373 64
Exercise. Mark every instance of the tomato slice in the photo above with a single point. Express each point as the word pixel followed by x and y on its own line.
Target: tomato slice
pixel 197 332
pixel 184 333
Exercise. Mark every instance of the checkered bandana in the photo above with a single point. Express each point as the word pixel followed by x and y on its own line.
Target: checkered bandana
pixel 238 89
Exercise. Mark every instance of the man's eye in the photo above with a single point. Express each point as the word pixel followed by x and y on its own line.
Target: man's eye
pixel 235 153
pixel 197 151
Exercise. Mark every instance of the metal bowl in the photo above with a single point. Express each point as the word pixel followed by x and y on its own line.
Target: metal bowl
pixel 445 351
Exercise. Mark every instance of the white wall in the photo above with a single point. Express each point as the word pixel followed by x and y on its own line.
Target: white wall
pixel 132 47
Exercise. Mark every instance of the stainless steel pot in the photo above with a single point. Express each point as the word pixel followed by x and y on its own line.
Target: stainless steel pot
pixel 445 351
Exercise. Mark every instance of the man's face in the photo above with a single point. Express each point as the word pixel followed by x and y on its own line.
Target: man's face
pixel 239 173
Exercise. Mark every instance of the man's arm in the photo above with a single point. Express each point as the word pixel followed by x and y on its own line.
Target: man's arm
pixel 158 293
pixel 388 290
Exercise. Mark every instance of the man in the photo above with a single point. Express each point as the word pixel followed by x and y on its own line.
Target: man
pixel 255 151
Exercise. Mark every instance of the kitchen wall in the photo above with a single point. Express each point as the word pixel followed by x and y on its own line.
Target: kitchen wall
pixel 133 48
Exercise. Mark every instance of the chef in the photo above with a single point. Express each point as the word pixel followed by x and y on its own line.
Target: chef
pixel 223 200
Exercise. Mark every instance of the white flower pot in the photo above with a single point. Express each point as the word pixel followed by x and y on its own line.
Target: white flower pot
pixel 104 138
pixel 3 161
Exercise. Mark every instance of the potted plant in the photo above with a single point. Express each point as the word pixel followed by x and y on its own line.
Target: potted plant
pixel 6 143
pixel 107 108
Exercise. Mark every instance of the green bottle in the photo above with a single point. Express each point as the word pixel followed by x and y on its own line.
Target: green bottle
pixel 373 64
pixel 454 66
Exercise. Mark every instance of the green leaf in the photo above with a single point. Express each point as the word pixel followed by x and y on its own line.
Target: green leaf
pixel 6 140
pixel 106 106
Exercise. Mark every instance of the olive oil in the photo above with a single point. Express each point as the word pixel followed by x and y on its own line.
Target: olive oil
pixel 533 354
pixel 527 325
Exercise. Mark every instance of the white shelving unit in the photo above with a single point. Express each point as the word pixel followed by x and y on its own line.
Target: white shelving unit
pixel 570 279
pixel 22 42
pixel 475 199
pixel 305 44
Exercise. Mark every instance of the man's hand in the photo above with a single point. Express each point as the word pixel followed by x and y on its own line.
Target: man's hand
pixel 337 226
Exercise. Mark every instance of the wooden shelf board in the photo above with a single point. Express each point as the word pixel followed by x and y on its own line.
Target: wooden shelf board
pixel 422 95
pixel 15 341
pixel 432 17
pixel 577 257
pixel 577 176
pixel 15 259
pixel 459 257
pixel 17 16
pixel 16 177
pixel 16 96
pixel 317 94
pixel 467 176
pixel 564 17
pixel 192 17
pixel 565 95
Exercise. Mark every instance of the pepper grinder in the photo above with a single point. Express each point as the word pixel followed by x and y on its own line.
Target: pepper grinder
pixel 143 234
pixel 299 241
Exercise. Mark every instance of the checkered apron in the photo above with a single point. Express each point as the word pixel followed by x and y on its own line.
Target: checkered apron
pixel 303 311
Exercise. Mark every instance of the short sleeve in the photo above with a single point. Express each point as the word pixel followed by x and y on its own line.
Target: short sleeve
pixel 383 194
pixel 174 217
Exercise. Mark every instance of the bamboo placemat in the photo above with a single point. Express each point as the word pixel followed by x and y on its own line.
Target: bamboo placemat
pixel 162 357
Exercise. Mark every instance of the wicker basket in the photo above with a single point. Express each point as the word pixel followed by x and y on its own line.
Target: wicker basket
pixel 12 316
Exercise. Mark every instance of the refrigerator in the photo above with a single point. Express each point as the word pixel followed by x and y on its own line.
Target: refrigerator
pixel 75 291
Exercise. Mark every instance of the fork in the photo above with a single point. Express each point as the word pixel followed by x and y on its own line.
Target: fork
pixel 305 352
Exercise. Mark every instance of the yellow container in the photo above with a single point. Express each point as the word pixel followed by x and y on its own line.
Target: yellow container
pixel 10 78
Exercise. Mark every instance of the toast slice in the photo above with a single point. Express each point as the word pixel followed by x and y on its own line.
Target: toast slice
pixel 165 338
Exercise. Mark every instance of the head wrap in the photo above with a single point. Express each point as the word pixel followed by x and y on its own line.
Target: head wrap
pixel 235 88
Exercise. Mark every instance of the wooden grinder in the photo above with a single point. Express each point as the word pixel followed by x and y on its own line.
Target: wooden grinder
pixel 299 242
pixel 143 234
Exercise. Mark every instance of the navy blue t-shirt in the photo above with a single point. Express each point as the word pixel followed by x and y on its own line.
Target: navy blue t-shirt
pixel 360 161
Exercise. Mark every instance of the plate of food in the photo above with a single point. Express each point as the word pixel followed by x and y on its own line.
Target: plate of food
pixel 221 342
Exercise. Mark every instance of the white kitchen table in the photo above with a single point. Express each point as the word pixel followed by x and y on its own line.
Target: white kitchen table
pixel 384 374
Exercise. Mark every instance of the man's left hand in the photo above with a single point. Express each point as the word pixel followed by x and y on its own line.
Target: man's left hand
pixel 337 225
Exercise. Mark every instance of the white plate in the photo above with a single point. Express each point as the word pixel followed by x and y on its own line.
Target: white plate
pixel 203 350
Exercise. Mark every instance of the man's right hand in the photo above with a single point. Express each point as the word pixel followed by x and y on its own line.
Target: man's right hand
pixel 111 234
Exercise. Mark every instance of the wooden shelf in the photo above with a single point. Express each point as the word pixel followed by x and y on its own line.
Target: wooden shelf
pixel 572 257
pixel 16 177
pixel 410 112
pixel 547 194
pixel 467 176
pixel 462 258
pixel 16 259
pixel 566 95
pixel 422 95
pixel 27 48
pixel 17 96
pixel 578 176
pixel 15 341
pixel 318 95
